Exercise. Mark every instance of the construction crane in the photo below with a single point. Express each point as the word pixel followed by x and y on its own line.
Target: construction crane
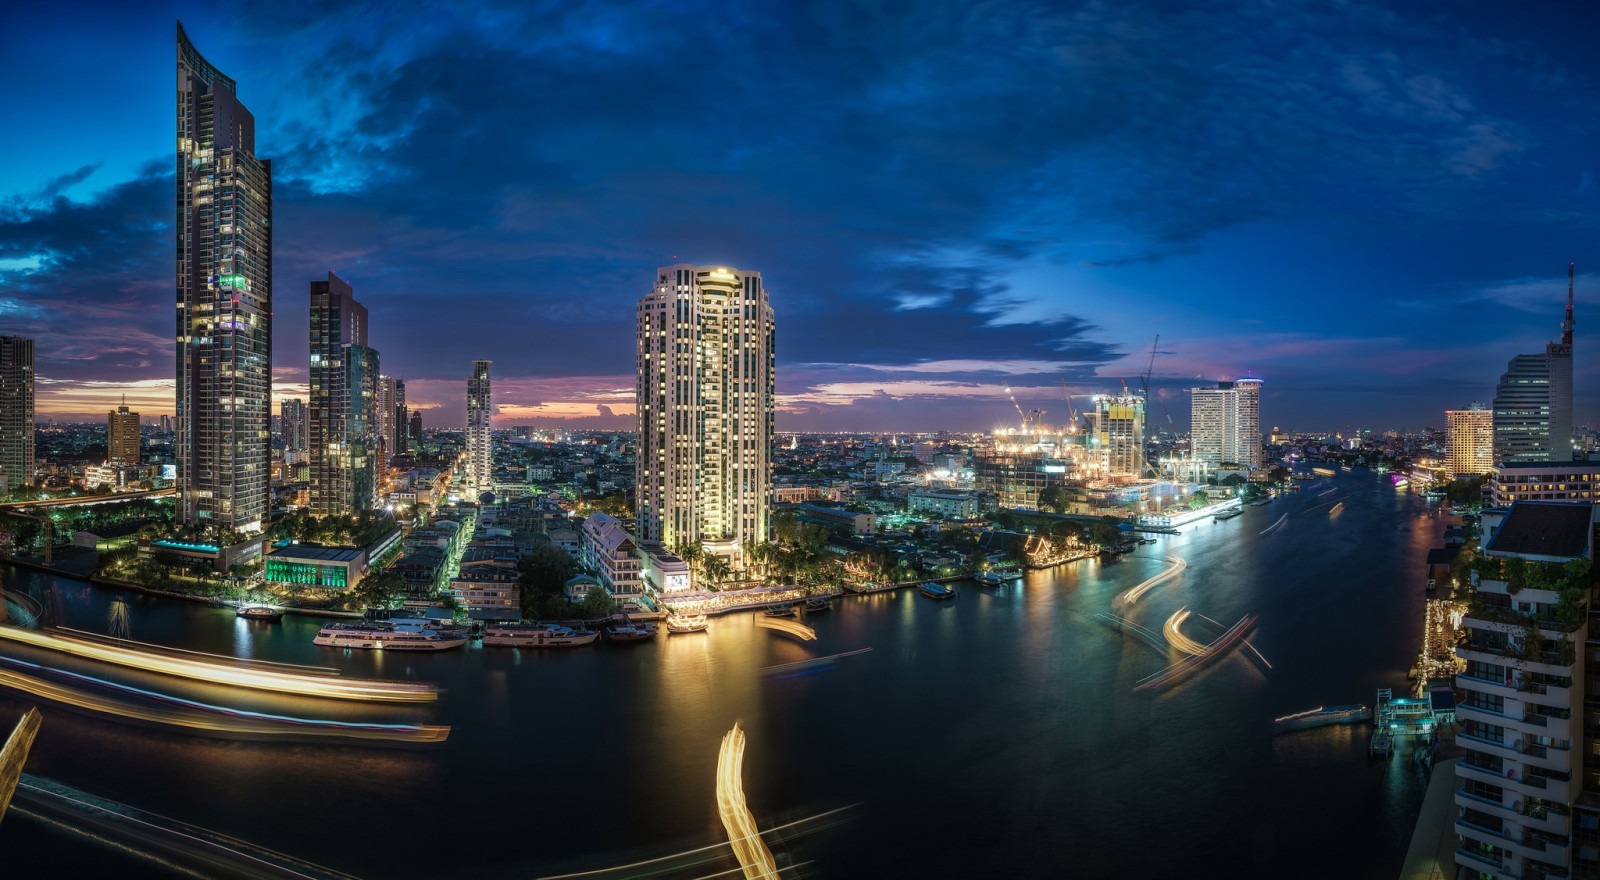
pixel 1144 386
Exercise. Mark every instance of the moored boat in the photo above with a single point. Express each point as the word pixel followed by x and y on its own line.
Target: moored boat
pixel 988 579
pixel 537 635
pixel 258 611
pixel 784 610
pixel 1322 716
pixel 631 632
pixel 936 591
pixel 387 636
pixel 692 623
pixel 818 603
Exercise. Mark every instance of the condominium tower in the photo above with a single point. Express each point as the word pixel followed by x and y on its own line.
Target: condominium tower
pixel 480 422
pixel 704 397
pixel 293 425
pixel 343 410
pixel 1225 423
pixel 1116 436
pixel 1470 444
pixel 224 295
pixel 1533 402
pixel 16 412
pixel 391 416
pixel 122 436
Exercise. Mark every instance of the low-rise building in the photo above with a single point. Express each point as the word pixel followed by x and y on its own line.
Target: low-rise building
pixel 613 554
pixel 1576 482
pixel 662 571
pixel 327 568
pixel 488 592
pixel 837 518
pixel 959 503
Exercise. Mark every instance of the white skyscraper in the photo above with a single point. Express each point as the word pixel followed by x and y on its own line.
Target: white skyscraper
pixel 1225 423
pixel 1533 402
pixel 480 418
pixel 705 405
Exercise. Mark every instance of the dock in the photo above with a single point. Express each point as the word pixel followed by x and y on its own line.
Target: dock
pixel 1398 719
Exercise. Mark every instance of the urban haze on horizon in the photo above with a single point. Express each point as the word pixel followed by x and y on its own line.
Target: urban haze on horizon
pixel 1030 219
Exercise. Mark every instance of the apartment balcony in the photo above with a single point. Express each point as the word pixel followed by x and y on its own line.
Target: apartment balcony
pixel 1468 857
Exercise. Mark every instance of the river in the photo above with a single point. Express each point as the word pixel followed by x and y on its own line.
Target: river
pixel 996 735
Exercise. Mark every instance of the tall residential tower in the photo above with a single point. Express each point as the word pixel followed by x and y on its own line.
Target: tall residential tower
pixel 16 412
pixel 344 402
pixel 480 422
pixel 1470 444
pixel 705 399
pixel 122 436
pixel 224 318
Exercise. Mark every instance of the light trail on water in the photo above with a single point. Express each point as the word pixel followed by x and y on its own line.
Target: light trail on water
pixel 748 847
pixel 307 684
pixel 1132 595
pixel 788 627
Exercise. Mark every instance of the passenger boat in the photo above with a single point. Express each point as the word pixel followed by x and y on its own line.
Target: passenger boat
pixel 691 624
pixel 936 591
pixel 784 610
pixel 258 611
pixel 388 636
pixel 818 603
pixel 630 632
pixel 537 635
pixel 988 579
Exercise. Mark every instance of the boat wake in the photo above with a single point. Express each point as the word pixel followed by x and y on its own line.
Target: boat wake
pixel 1275 525
pixel 1133 594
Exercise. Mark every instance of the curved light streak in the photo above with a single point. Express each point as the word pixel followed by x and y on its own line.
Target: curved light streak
pixel 1177 639
pixel 1188 664
pixel 249 722
pixel 808 664
pixel 788 627
pixel 1178 565
pixel 307 684
pixel 1275 525
pixel 743 835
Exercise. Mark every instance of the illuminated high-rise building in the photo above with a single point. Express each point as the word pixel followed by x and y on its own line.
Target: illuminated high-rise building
pixel 480 423
pixel 1470 444
pixel 293 425
pixel 224 295
pixel 705 397
pixel 1533 402
pixel 122 436
pixel 1116 436
pixel 343 409
pixel 16 412
pixel 1225 423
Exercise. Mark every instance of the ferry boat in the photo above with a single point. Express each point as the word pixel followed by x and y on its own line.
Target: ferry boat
pixel 258 611
pixel 936 591
pixel 630 632
pixel 818 603
pixel 387 636
pixel 988 579
pixel 784 610
pixel 537 635
pixel 691 624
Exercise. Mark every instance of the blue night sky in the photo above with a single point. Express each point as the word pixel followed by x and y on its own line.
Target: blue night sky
pixel 1372 206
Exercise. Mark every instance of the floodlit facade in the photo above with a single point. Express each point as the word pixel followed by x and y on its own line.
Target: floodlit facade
pixel 705 399
pixel 480 423
pixel 224 297
pixel 1225 423
pixel 122 436
pixel 16 412
pixel 1470 444
pixel 1116 436
pixel 344 402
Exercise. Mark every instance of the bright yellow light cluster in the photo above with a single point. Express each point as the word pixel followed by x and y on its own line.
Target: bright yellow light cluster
pixel 748 847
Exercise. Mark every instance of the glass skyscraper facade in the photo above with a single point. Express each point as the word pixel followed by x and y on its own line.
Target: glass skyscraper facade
pixel 224 294
pixel 343 410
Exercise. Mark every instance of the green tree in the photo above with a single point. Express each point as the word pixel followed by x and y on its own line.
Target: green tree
pixel 597 603
pixel 1053 498
pixel 542 573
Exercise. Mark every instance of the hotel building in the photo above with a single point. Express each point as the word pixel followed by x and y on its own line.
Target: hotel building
pixel 1225 423
pixel 705 397
pixel 1470 442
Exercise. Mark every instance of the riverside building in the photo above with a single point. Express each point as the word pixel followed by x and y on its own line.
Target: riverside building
pixel 705 397
pixel 1470 443
pixel 1225 423
pixel 16 412
pixel 344 402
pixel 1571 482
pixel 1526 794
pixel 224 297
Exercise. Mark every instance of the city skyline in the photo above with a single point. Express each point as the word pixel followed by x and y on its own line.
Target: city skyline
pixel 1033 292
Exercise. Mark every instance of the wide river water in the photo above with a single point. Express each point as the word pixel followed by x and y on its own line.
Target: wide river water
pixel 996 735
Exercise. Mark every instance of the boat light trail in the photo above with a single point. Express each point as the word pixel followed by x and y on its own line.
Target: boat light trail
pixel 703 854
pixel 1142 632
pixel 1132 595
pixel 748 847
pixel 1334 510
pixel 808 664
pixel 1327 493
pixel 1249 645
pixel 788 627
pixel 1177 639
pixel 1276 524
pixel 1188 664
pixel 248 722
pixel 307 684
